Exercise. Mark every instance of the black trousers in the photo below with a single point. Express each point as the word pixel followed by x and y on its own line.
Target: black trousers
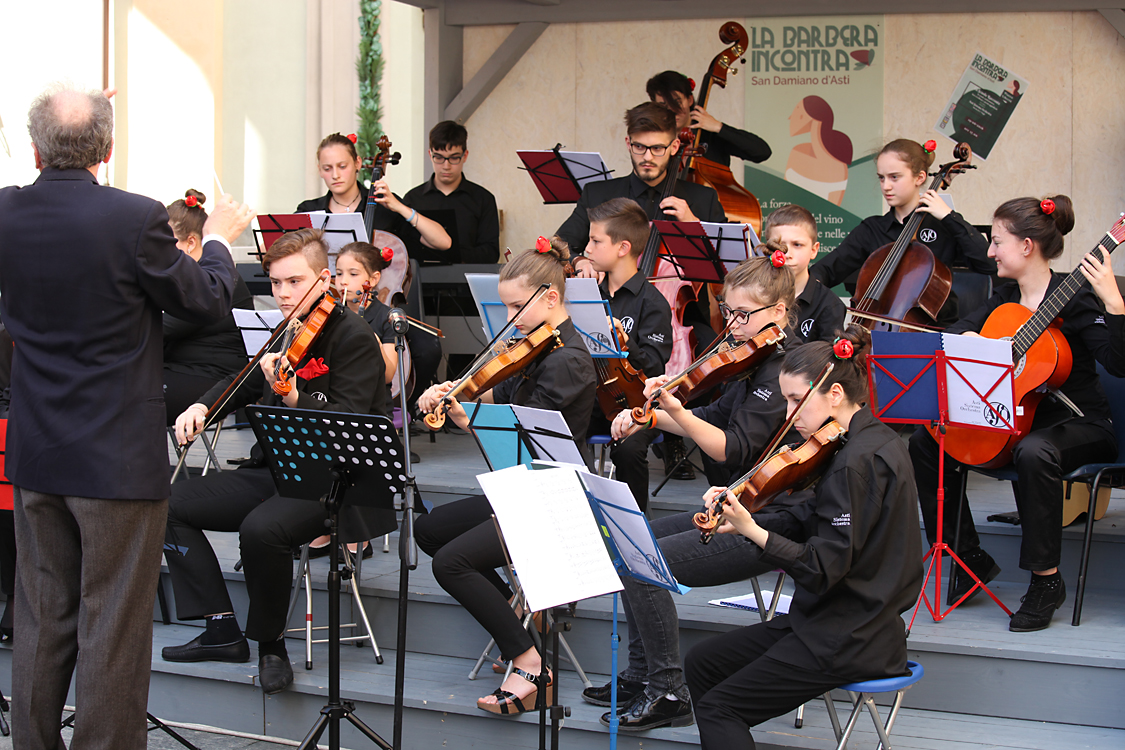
pixel 749 675
pixel 182 390
pixel 268 526
pixel 1040 459
pixel 630 458
pixel 462 539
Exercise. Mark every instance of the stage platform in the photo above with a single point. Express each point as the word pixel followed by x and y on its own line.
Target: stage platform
pixel 984 686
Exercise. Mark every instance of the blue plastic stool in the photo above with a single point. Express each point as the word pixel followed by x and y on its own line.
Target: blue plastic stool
pixel 863 694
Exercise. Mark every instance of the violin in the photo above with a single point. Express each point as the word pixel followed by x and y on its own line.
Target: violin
pixel 510 359
pixel 903 280
pixel 397 276
pixel 620 385
pixel 739 204
pixel 782 469
pixel 719 364
pixel 299 341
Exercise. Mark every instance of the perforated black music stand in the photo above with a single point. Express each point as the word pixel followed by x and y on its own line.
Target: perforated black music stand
pixel 318 456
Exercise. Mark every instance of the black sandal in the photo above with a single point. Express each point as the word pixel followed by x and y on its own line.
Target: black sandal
pixel 508 704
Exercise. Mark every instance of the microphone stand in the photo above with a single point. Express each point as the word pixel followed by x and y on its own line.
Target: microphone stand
pixel 407 548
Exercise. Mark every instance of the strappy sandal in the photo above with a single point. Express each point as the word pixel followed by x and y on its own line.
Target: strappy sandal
pixel 507 703
pixel 501 667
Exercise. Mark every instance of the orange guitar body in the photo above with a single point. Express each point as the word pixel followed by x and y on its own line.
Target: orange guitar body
pixel 1047 363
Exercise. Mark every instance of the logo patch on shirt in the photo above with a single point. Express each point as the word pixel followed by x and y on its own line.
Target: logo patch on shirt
pixel 1099 321
pixel 806 327
pixel 763 393
pixel 319 396
pixel 656 338
pixel 844 520
pixel 627 323
pixel 927 235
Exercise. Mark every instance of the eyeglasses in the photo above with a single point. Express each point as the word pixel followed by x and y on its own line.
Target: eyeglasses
pixel 742 317
pixel 639 148
pixel 452 158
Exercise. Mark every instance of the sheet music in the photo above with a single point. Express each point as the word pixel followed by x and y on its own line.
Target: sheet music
pixel 552 537
pixel 734 242
pixel 584 166
pixel 965 406
pixel 550 448
pixel 590 315
pixel 340 229
pixel 256 327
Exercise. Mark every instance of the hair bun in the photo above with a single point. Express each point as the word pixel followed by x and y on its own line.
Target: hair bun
pixel 1063 213
pixel 860 340
pixel 194 199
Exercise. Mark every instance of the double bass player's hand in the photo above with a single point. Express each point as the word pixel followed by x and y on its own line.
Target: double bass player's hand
pixel 677 208
pixel 702 120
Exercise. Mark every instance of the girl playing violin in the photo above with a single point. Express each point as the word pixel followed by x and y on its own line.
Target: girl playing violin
pixel 460 536
pixel 1026 235
pixel 852 549
pixel 358 263
pixel 902 167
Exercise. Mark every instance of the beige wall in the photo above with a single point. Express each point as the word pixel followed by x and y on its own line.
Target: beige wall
pixel 575 82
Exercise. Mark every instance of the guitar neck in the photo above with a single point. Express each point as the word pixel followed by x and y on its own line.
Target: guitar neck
pixel 1049 309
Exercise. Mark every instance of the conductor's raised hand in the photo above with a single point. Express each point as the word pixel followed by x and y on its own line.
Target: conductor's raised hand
pixel 228 219
pixel 190 423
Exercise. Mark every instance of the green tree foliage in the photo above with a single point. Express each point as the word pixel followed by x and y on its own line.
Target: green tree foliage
pixel 369 67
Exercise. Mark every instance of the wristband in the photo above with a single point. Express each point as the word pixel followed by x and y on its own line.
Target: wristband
pixel 413 214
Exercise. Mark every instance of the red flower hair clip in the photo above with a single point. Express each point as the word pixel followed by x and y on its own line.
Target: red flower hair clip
pixel 843 349
pixel 387 254
pixel 351 137
pixel 542 245
pixel 691 83
pixel 1047 206
pixel 191 201
pixel 930 146
pixel 778 258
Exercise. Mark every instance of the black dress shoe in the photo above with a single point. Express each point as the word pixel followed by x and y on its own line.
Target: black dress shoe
pixel 982 564
pixel 274 673
pixel 235 652
pixel 1038 605
pixel 646 712
pixel 627 691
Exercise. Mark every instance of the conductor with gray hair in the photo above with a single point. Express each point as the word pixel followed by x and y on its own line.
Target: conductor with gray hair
pixel 85 445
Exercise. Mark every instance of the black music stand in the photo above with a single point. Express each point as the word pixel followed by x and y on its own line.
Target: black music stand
pixel 917 375
pixel 558 175
pixel 318 456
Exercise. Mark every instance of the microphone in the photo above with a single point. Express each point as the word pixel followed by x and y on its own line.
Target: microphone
pixel 399 321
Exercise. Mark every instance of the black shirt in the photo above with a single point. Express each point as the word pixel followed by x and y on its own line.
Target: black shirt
pixel 561 380
pixel 214 350
pixel 730 142
pixel 953 241
pixel 385 219
pixel 1092 334
pixel 477 235
pixel 820 315
pixel 647 319
pixel 378 316
pixel 855 555
pixel 750 412
pixel 702 200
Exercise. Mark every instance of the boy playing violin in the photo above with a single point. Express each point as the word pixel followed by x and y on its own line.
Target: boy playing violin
pixel 342 371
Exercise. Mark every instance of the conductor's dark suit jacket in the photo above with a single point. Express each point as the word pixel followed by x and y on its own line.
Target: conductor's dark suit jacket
pixel 85 272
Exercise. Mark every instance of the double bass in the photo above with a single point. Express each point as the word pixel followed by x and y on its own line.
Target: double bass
pixel 903 281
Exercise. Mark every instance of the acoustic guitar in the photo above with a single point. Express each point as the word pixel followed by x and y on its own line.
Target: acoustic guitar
pixel 1042 360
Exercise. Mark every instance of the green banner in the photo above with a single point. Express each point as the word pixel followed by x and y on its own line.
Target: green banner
pixel 814 92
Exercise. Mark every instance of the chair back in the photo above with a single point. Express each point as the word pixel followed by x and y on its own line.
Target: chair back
pixel 972 290
pixel 1115 392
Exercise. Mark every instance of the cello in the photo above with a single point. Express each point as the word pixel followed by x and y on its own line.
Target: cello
pixel 903 281
pixel 396 277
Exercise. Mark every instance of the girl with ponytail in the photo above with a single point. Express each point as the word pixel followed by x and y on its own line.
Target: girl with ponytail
pixel 903 166
pixel 1027 233
pixel 852 549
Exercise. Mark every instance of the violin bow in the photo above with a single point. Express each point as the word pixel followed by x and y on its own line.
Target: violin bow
pixel 891 321
pixel 221 402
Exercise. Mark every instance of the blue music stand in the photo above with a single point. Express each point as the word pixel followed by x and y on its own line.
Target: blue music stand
pixel 505 440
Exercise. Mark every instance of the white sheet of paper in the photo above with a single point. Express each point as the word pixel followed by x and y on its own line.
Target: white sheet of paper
pixel 589 313
pixel 485 288
pixel 584 166
pixel 640 555
pixel 965 407
pixel 341 229
pixel 557 449
pixel 256 327
pixel 734 242
pixel 551 534
pixel 750 602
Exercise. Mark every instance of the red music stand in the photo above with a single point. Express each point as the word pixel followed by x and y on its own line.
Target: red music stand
pixel 700 256
pixel 881 370
pixel 560 175
pixel 272 226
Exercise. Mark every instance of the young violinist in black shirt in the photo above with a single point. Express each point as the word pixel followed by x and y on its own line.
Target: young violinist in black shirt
pixel 618 233
pixel 460 536
pixel 198 356
pixel 732 431
pixel 359 262
pixel 902 166
pixel 819 312
pixel 342 371
pixel 852 549
pixel 677 92
pixel 1026 235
